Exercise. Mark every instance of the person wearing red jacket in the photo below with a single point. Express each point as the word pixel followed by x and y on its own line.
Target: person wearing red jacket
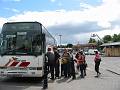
pixel 97 61
pixel 80 63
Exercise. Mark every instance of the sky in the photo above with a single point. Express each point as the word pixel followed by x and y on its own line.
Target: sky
pixel 75 20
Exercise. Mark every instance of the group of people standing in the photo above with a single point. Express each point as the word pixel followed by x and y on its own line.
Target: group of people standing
pixel 53 62
pixel 65 62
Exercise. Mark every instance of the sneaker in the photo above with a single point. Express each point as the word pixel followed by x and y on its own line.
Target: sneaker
pixel 81 76
pixel 96 76
pixel 45 87
pixel 57 77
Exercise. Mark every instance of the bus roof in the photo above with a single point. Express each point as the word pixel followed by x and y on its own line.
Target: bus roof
pixel 23 22
pixel 20 26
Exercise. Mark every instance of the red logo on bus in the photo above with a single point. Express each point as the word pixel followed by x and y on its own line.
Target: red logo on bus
pixel 14 62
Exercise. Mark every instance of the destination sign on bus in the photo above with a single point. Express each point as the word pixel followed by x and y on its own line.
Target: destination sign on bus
pixel 21 33
pixel 10 36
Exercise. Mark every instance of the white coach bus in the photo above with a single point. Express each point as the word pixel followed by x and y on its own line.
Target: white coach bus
pixel 23 48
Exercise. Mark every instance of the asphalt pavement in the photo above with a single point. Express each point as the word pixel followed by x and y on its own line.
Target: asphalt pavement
pixel 108 80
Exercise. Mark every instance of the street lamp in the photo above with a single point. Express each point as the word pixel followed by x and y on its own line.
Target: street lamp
pixel 60 39
pixel 96 35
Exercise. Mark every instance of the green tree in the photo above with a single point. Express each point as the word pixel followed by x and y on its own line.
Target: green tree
pixel 92 40
pixel 69 45
pixel 115 38
pixel 98 45
pixel 119 37
pixel 107 38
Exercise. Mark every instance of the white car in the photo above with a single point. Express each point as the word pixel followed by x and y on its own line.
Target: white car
pixel 86 53
pixel 92 51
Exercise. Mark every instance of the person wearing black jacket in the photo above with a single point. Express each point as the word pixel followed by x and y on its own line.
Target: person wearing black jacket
pixel 57 63
pixel 51 62
pixel 72 67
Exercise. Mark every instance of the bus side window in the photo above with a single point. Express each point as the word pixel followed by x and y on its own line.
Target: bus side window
pixel 1 41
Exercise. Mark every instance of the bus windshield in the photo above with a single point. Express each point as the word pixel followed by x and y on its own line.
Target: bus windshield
pixel 21 42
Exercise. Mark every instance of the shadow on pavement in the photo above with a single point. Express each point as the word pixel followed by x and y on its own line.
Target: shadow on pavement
pixel 62 80
pixel 23 81
pixel 20 83
pixel 51 81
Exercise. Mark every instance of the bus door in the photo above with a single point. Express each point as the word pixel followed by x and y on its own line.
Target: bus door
pixel 43 43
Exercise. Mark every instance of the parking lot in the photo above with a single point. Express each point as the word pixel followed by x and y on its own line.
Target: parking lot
pixel 109 79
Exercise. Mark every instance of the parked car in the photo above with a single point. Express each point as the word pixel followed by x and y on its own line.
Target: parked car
pixel 86 53
pixel 92 51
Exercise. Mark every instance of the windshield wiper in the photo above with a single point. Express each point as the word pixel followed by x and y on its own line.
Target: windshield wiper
pixel 7 51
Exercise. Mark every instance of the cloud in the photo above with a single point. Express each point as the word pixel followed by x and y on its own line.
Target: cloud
pixel 74 33
pixel 85 27
pixel 76 25
pixel 52 0
pixel 15 10
pixel 12 9
pixel 2 21
pixel 85 6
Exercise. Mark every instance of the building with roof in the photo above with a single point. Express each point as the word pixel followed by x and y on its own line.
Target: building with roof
pixel 82 46
pixel 111 49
